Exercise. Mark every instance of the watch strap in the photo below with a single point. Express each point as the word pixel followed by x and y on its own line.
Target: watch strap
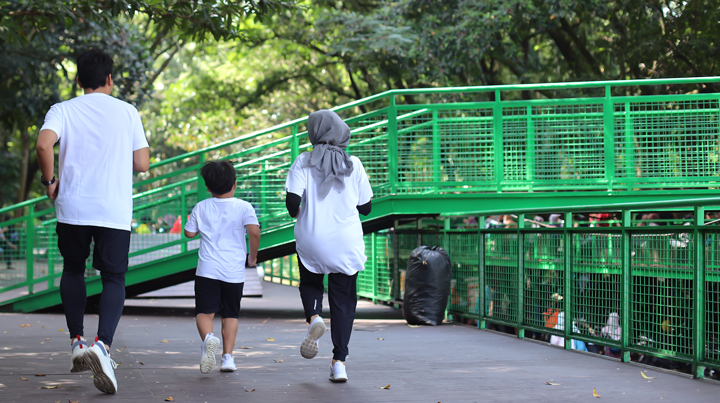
pixel 47 183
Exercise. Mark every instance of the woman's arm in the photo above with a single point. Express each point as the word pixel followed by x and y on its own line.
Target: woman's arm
pixel 292 204
pixel 365 208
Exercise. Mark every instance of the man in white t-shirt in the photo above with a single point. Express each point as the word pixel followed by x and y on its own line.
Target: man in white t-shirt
pixel 102 142
pixel 326 189
pixel 221 222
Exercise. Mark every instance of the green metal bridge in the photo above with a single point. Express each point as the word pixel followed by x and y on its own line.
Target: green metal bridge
pixel 444 162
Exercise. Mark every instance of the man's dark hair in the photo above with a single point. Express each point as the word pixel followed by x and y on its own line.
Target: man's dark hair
pixel 93 68
pixel 219 176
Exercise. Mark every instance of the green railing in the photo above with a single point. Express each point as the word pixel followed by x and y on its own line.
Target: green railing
pixel 594 136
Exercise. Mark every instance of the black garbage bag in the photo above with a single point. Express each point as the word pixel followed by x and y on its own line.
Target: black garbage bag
pixel 427 286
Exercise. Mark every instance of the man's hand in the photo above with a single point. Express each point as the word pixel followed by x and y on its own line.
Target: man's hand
pixel 52 190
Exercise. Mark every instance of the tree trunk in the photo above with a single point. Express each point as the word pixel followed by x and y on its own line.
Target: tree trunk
pixel 24 162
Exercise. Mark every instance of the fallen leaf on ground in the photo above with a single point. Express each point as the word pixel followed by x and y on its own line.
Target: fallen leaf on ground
pixel 23 379
pixel 265 321
pixel 60 330
pixel 4 332
pixel 249 390
pixel 270 339
pixel 77 401
pixel 25 325
pixel 47 339
pixel 384 387
pixel 50 387
pixel 595 394
pixel 119 364
pixel 169 399
pixel 551 383
pixel 121 349
pixel 164 341
pixel 244 348
pixel 90 377
pixel 647 377
pixel 141 363
pixel 278 360
pixel 380 338
pixel 40 375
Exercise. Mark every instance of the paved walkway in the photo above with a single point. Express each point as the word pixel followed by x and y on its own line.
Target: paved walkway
pixel 449 363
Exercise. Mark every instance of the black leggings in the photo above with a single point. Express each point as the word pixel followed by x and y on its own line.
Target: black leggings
pixel 342 296
pixel 110 256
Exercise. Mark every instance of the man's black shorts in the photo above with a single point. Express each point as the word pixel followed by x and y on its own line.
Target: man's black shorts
pixel 220 297
pixel 110 253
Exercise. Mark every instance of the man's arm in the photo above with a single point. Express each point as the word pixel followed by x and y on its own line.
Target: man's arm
pixel 46 159
pixel 141 160
pixel 254 235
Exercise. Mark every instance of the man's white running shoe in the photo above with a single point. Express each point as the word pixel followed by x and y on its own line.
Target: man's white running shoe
pixel 207 353
pixel 310 346
pixel 102 366
pixel 338 372
pixel 77 360
pixel 228 363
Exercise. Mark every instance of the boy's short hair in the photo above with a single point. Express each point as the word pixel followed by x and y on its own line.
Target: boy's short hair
pixel 93 68
pixel 219 176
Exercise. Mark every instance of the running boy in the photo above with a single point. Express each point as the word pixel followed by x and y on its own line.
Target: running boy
pixel 221 222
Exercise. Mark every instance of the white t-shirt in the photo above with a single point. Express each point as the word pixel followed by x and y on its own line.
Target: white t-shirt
pixel 98 134
pixel 328 232
pixel 221 223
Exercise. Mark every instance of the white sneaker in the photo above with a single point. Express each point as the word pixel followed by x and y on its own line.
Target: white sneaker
pixel 207 353
pixel 77 361
pixel 310 346
pixel 228 363
pixel 102 366
pixel 338 372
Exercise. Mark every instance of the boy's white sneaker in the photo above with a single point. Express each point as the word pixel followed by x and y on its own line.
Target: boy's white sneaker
pixel 338 372
pixel 102 366
pixel 207 353
pixel 77 360
pixel 310 346
pixel 228 363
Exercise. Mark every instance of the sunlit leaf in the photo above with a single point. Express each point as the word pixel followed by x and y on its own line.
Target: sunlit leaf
pixel 164 341
pixel 23 379
pixel 647 377
pixel 249 390
pixel 384 387
pixel 595 394
pixel 121 349
pixel 380 338
pixel 551 383
pixel 270 339
pixel 169 399
pixel 244 348
pixel 50 387
pixel 25 325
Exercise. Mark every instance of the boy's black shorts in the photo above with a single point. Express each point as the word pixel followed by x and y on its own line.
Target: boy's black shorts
pixel 216 296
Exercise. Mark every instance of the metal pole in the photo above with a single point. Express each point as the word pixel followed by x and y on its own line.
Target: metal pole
pixel 521 276
pixel 608 133
pixel 498 140
pixel 567 240
pixel 699 294
pixel 29 247
pixel 392 146
pixel 626 297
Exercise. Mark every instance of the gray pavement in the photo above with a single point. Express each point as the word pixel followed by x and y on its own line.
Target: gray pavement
pixel 450 363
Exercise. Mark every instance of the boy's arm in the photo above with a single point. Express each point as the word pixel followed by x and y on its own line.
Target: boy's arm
pixel 254 235
pixel 190 235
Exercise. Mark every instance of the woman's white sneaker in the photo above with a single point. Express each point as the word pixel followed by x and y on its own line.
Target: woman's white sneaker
pixel 77 360
pixel 102 366
pixel 207 353
pixel 228 363
pixel 310 346
pixel 338 372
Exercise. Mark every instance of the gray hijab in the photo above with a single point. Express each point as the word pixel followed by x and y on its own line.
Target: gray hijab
pixel 330 163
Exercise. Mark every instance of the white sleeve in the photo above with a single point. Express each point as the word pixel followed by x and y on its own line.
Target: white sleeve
pixel 249 216
pixel 53 120
pixel 365 192
pixel 138 133
pixel 296 180
pixel 192 225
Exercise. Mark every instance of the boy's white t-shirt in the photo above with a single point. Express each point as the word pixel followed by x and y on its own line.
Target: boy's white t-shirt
pixel 328 232
pixel 98 134
pixel 221 223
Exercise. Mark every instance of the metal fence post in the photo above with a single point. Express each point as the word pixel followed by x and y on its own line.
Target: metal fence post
pixel 264 188
pixel 392 145
pixel 183 216
pixel 521 276
pixel 699 294
pixel 29 247
pixel 437 151
pixel 481 273
pixel 530 149
pixel 608 133
pixel 498 140
pixel 567 298
pixel 625 298
pixel 629 153
pixel 294 143
pixel 202 192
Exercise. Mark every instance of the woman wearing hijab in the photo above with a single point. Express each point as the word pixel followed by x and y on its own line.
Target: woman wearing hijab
pixel 326 189
pixel 560 341
pixel 613 331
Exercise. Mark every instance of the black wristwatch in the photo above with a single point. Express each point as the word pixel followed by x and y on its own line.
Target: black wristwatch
pixel 47 183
